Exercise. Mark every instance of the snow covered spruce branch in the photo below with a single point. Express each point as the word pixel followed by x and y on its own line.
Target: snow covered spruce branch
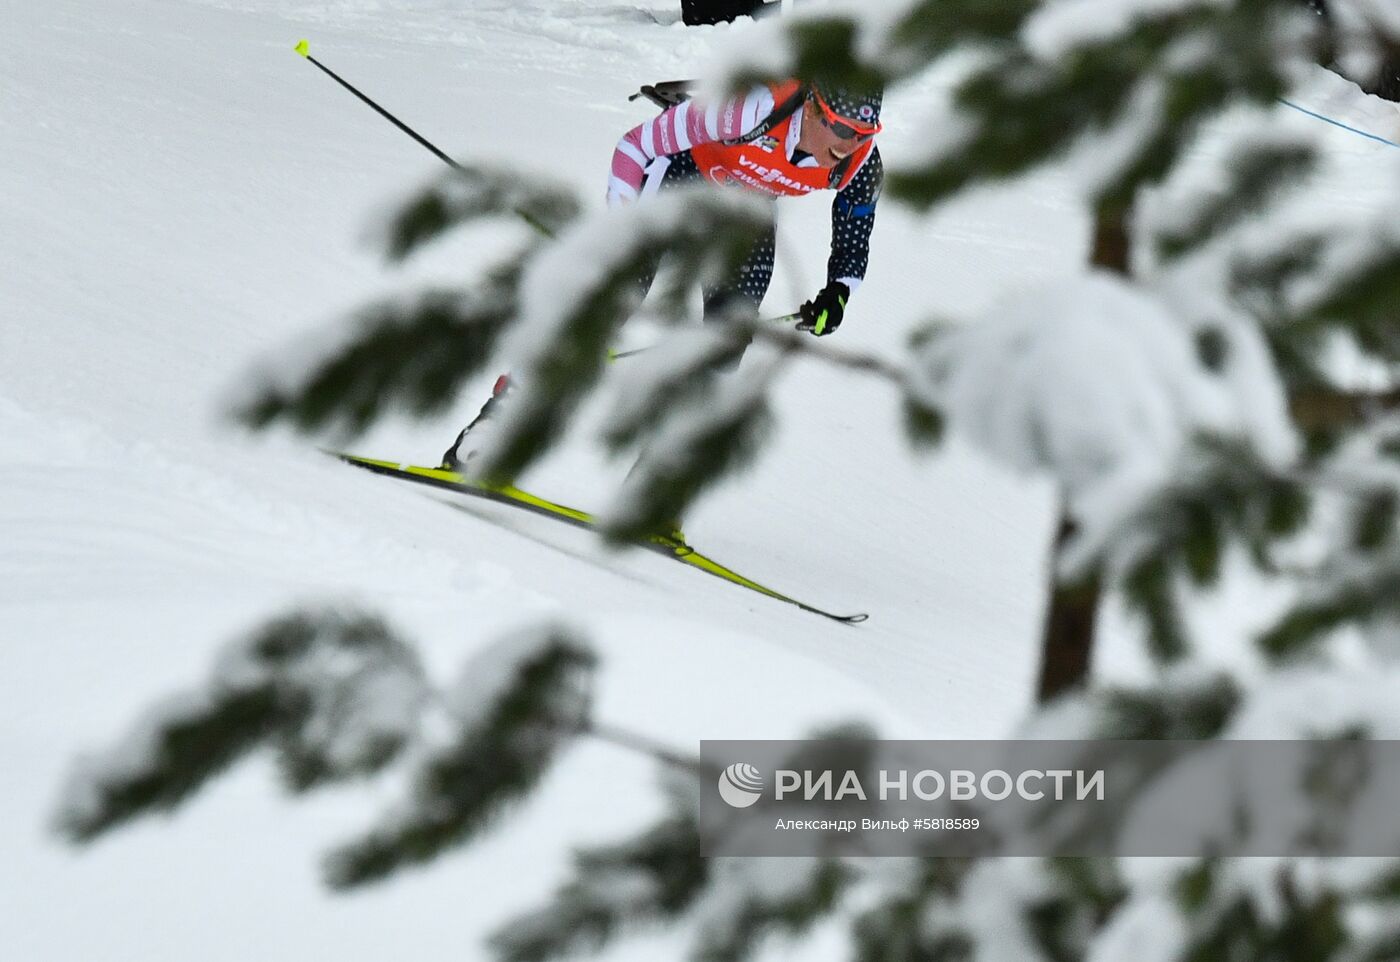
pixel 340 697
pixel 334 696
pixel 730 907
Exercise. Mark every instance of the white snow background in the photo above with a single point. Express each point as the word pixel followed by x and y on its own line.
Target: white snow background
pixel 181 196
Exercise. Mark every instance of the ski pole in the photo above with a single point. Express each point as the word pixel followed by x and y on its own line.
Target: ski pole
pixel 1336 123
pixel 618 355
pixel 304 48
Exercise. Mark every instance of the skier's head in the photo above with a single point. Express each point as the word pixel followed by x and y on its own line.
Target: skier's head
pixel 837 120
pixel 851 113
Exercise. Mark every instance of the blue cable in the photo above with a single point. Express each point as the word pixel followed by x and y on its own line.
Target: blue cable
pixel 1338 123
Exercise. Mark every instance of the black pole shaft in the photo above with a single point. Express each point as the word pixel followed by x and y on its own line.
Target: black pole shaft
pixel 387 116
pixel 429 145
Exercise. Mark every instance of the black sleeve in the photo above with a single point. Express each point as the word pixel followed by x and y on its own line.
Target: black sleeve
pixel 853 218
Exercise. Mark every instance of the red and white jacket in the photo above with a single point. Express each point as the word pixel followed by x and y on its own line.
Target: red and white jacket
pixel 763 164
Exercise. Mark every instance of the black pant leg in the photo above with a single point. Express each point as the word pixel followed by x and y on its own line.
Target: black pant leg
pixel 680 169
pixel 698 12
pixel 748 286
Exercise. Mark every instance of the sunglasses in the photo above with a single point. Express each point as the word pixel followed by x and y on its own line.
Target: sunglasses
pixel 844 127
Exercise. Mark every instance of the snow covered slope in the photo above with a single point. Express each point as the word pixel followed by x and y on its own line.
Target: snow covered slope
pixel 183 195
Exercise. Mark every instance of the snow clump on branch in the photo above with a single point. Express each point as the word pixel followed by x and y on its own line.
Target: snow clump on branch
pixel 1101 385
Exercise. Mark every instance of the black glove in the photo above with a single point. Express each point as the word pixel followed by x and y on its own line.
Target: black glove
pixel 823 313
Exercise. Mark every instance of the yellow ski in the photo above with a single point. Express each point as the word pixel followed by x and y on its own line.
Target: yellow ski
pixel 515 497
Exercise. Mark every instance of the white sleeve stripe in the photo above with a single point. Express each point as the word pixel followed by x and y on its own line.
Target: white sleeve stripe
pixel 655 174
pixel 616 185
pixel 649 138
pixel 712 121
pixel 631 151
pixel 758 104
pixel 681 121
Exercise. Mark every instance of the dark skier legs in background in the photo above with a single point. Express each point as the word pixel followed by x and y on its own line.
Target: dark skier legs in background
pixel 698 12
pixel 1385 81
